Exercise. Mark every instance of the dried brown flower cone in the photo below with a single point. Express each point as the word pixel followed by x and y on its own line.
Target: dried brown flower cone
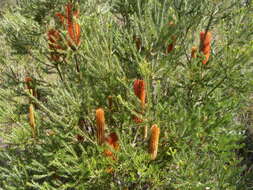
pixel 153 144
pixel 32 119
pixel 100 120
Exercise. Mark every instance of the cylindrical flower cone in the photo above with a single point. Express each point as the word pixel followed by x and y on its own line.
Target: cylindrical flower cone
pixel 205 38
pixel 74 30
pixel 205 45
pixel 32 119
pixel 100 121
pixel 112 141
pixel 154 139
pixel 139 91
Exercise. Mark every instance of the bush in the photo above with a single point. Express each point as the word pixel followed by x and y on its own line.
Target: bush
pixel 179 67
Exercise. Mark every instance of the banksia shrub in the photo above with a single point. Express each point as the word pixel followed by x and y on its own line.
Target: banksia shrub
pixel 100 121
pixel 154 141
pixel 127 59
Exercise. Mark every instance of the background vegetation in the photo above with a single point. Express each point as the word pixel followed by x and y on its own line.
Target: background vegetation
pixel 202 110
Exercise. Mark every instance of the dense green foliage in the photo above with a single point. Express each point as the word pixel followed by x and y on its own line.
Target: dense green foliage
pixel 197 106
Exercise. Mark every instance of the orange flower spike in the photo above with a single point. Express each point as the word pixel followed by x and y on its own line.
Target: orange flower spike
pixel 154 139
pixel 194 52
pixel 205 45
pixel 100 121
pixel 139 91
pixel 74 30
pixel 32 119
pixel 205 39
pixel 112 140
pixel 77 33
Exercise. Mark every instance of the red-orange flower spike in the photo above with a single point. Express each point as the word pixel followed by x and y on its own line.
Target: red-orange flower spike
pixel 74 30
pixel 205 45
pixel 154 139
pixel 100 120
pixel 140 91
pixel 74 33
pixel 112 140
